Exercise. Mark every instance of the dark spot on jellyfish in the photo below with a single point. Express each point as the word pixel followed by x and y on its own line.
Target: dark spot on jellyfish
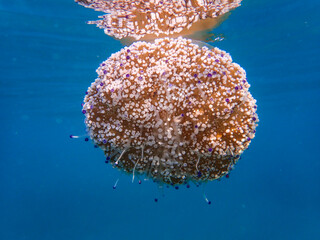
pixel 121 64
pixel 128 57
pixel 86 139
pixel 127 75
pixel 71 136
pixel 244 81
pixel 182 115
pixel 104 141
pixel 255 107
pixel 254 119
pixel 214 73
pixel 156 199
pixel 84 111
pixel 224 73
pixel 105 72
pixel 195 75
pixel 106 161
pixel 209 55
pixel 210 149
pixel 227 100
pixel 196 126
pixel 236 88
pixel 209 202
pixel 112 90
pixel 199 174
pixel 114 187
pixel 86 93
pixel 103 64
pixel 189 102
pixel 217 60
pixel 209 75
pixel 176 187
pixel 101 84
pixel 248 139
pixel 127 18
pixel 199 81
pixel 140 78
pixel 222 55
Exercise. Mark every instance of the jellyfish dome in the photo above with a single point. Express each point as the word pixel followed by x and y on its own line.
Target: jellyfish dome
pixel 151 19
pixel 171 110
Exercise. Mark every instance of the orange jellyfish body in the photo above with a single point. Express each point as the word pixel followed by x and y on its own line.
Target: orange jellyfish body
pixel 171 110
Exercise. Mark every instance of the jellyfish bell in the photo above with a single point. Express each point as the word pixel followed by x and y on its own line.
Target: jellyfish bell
pixel 144 20
pixel 171 110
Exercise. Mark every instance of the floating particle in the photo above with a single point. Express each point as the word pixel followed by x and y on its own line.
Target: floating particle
pixel 151 19
pixel 148 128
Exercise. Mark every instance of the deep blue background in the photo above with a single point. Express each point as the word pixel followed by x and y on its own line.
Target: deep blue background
pixel 53 187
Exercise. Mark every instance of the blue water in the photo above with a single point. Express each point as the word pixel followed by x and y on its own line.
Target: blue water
pixel 53 187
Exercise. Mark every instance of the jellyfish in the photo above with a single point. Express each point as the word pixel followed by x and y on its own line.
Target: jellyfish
pixel 171 110
pixel 141 20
